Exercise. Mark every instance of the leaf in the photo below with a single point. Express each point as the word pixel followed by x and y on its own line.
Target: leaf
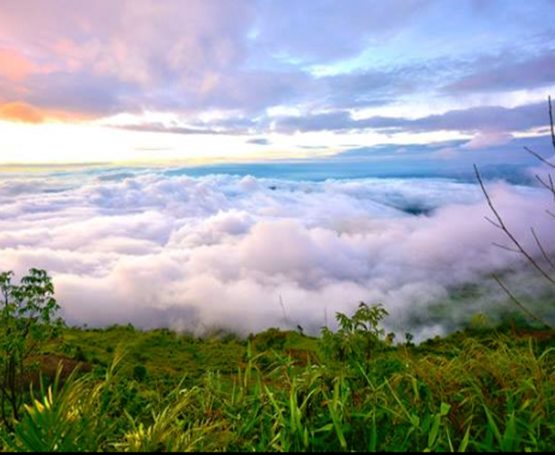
pixel 464 443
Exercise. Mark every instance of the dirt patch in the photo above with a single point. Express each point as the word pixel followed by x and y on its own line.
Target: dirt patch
pixel 48 365
pixel 302 357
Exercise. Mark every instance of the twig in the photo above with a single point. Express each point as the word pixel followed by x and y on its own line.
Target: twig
pixel 493 222
pixel 550 187
pixel 552 129
pixel 518 303
pixel 539 157
pixel 501 225
pixel 551 122
pixel 541 248
pixel 285 318
pixel 505 247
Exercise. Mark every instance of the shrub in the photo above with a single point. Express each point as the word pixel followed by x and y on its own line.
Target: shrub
pixel 357 337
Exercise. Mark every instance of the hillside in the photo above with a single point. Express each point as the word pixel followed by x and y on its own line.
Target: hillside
pixel 479 389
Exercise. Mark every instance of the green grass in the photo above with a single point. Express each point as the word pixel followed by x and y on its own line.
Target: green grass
pixel 476 390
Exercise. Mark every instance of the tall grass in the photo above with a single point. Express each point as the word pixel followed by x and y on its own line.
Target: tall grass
pixel 469 393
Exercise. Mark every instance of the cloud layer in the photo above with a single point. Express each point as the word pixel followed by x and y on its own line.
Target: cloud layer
pixel 222 251
pixel 244 58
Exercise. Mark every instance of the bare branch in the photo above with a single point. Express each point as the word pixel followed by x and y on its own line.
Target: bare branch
pixel 493 222
pixel 541 248
pixel 552 130
pixel 508 233
pixel 499 219
pixel 551 122
pixel 539 157
pixel 518 303
pixel 550 187
pixel 505 247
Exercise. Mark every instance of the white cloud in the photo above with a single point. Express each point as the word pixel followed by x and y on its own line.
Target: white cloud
pixel 195 253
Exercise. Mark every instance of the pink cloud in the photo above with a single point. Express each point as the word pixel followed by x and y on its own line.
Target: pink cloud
pixel 18 111
pixel 14 65
pixel 485 139
pixel 125 39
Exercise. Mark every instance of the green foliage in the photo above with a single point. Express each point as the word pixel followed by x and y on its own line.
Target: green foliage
pixel 27 321
pixel 61 419
pixel 271 338
pixel 139 372
pixel 72 418
pixel 357 337
pixel 170 430
pixel 480 321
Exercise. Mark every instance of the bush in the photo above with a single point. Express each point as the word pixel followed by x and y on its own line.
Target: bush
pixel 357 337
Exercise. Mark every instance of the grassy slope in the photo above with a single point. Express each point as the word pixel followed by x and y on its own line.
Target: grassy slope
pixel 278 391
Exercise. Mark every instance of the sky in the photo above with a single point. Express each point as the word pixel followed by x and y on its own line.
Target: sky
pixel 257 80
pixel 245 164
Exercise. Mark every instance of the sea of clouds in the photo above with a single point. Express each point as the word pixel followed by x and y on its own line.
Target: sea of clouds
pixel 244 253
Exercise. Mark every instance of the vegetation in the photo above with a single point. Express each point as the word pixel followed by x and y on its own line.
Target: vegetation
pixel 121 389
pixel 26 320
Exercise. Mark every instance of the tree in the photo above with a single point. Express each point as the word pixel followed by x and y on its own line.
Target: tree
pixel 27 320
pixel 540 259
pixel 357 338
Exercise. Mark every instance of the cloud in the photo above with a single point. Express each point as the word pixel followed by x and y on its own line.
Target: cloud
pixel 232 125
pixel 14 66
pixel 483 118
pixel 141 55
pixel 136 45
pixel 474 119
pixel 505 72
pixel 486 139
pixel 259 141
pixel 296 31
pixel 249 57
pixel 381 85
pixel 20 112
pixel 446 153
pixel 220 251
pixel 158 127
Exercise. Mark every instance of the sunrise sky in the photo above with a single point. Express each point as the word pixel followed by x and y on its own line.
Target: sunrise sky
pixel 203 80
